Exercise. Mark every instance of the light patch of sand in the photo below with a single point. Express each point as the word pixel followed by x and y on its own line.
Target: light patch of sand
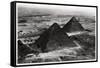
pixel 76 33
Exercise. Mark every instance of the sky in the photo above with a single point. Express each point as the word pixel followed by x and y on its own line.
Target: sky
pixel 27 9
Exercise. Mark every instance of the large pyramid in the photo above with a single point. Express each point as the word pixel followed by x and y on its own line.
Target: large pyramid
pixel 44 37
pixel 73 25
pixel 53 38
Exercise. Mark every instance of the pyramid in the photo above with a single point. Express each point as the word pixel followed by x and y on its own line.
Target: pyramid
pixel 23 49
pixel 44 37
pixel 73 25
pixel 52 38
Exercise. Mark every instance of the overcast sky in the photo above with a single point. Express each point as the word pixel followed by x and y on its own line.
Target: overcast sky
pixel 26 8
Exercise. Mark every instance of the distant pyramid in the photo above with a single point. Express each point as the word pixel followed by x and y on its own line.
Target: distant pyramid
pixel 73 25
pixel 52 38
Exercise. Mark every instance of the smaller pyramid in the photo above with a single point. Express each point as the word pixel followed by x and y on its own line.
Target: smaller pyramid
pixel 23 50
pixel 73 25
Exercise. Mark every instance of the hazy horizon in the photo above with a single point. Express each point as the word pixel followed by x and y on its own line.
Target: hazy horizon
pixel 33 9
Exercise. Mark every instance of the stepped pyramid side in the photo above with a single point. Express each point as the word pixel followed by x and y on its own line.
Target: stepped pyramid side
pixel 73 25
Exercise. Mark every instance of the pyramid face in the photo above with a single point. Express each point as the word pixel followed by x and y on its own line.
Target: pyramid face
pixel 61 39
pixel 73 25
pixel 53 38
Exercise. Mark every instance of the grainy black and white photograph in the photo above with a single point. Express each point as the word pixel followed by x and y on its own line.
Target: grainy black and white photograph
pixel 55 33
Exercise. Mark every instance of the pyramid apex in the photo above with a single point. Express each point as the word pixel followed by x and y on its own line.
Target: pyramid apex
pixel 54 26
pixel 74 19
